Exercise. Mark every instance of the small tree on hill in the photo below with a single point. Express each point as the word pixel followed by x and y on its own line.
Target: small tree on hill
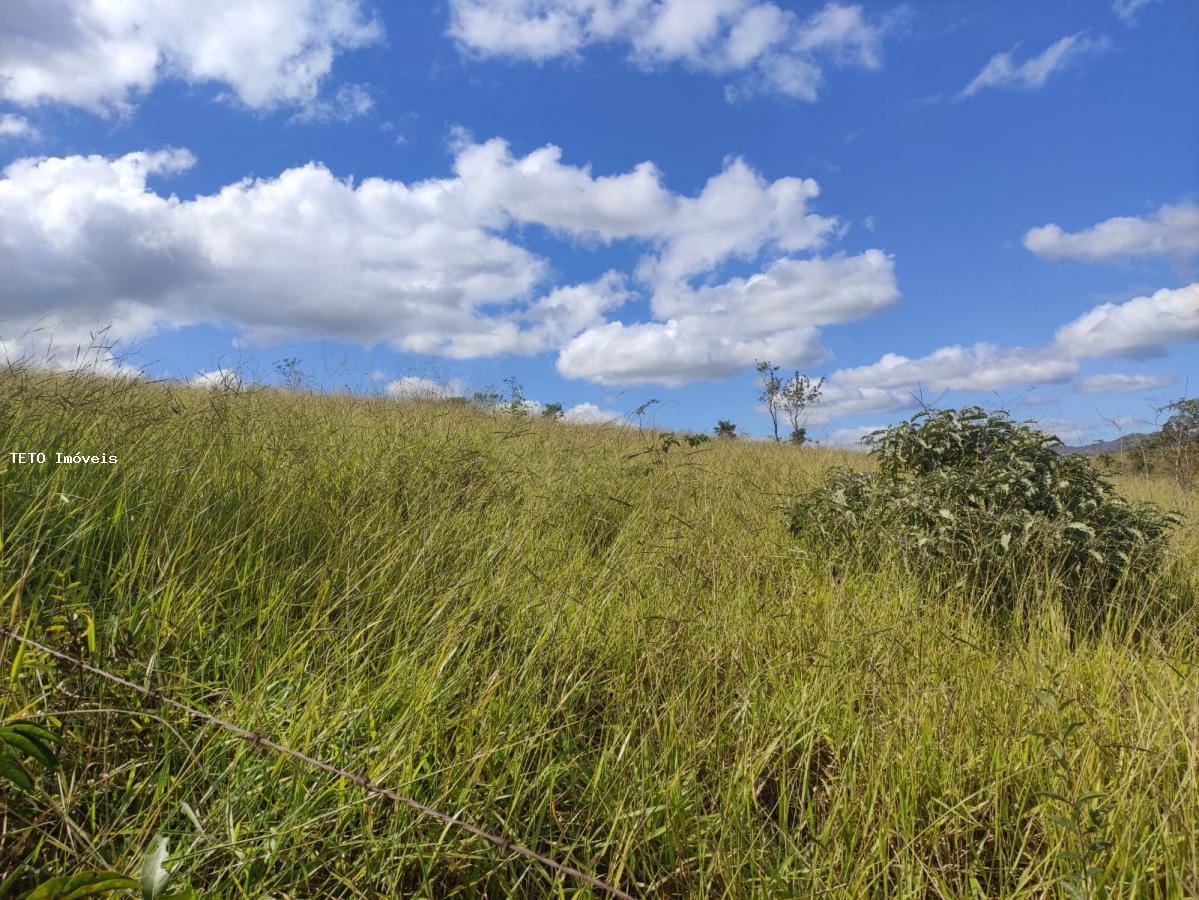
pixel 1177 444
pixel 725 429
pixel 517 404
pixel 552 411
pixel 799 394
pixel 1183 424
pixel 772 387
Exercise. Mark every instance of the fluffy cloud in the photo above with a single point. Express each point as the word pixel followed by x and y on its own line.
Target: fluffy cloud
pixel 16 127
pixel 983 367
pixel 222 379
pixel 768 48
pixel 101 55
pixel 432 266
pixel 414 387
pixel 1169 231
pixel 791 292
pixel 1116 382
pixel 737 213
pixel 676 352
pixel 50 345
pixel 1004 71
pixel 898 382
pixel 543 325
pixel 301 254
pixel 716 330
pixel 590 414
pixel 1140 327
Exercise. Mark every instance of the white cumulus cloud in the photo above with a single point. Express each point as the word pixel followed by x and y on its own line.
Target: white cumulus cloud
pixel 899 382
pixel 1140 327
pixel 435 266
pixel 101 55
pixel 590 414
pixel 765 48
pixel 17 127
pixel 415 387
pixel 716 330
pixel 1168 231
pixel 304 253
pixel 676 352
pixel 224 379
pixel 983 367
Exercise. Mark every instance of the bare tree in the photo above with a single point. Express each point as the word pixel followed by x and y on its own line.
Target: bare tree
pixel 772 387
pixel 796 396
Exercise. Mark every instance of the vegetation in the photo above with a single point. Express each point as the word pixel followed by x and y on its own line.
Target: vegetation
pixel 979 500
pixel 616 655
pixel 1174 449
pixel 725 429
pixel 800 393
pixel 790 399
pixel 772 390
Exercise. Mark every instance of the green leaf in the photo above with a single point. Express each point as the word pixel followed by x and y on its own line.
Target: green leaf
pixel 11 769
pixel 28 746
pixel 154 874
pixel 1047 700
pixel 1062 822
pixel 84 884
pixel 35 731
pixel 1052 796
pixel 192 817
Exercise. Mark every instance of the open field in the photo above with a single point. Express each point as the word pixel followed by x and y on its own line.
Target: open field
pixel 614 654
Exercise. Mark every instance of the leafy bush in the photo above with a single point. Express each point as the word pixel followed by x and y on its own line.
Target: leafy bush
pixel 975 497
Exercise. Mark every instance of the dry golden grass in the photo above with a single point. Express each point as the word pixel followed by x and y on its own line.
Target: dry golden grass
pixel 614 654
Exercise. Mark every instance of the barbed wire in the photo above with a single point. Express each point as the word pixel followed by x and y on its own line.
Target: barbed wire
pixel 361 781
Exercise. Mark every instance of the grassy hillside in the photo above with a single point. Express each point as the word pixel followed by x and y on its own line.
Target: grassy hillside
pixel 613 654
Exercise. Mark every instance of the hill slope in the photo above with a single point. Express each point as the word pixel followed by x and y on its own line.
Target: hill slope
pixel 1122 444
pixel 608 651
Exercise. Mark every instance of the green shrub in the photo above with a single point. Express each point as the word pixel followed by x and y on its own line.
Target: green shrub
pixel 967 496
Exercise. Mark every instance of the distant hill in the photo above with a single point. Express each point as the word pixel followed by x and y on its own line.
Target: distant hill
pixel 1124 442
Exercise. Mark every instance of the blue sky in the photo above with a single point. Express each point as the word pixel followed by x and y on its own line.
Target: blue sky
pixel 618 200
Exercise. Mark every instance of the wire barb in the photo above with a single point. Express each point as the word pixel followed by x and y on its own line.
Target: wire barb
pixel 371 788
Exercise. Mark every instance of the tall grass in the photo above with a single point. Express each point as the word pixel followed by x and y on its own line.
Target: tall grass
pixel 613 653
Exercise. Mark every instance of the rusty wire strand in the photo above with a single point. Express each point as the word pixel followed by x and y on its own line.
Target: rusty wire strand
pixel 361 781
